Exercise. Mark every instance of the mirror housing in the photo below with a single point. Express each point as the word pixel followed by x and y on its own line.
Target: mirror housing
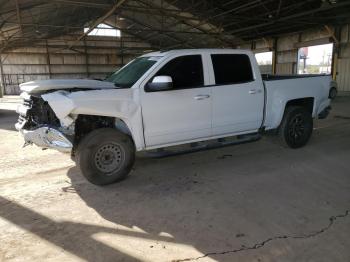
pixel 159 83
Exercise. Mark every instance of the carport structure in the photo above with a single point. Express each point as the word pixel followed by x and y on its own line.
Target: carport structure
pixel 50 35
pixel 253 202
pixel 168 24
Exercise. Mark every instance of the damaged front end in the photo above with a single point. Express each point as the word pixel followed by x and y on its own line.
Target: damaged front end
pixel 39 125
pixel 58 114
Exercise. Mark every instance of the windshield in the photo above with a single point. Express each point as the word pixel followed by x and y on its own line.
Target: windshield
pixel 128 75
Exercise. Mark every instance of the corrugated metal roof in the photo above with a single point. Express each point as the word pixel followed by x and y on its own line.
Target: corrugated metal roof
pixel 168 24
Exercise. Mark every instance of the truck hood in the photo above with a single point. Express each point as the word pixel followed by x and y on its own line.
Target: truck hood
pixel 41 86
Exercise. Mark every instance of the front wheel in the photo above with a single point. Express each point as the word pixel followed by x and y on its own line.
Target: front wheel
pixel 105 156
pixel 296 127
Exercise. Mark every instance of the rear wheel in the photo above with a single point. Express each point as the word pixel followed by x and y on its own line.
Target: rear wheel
pixel 333 93
pixel 105 156
pixel 296 127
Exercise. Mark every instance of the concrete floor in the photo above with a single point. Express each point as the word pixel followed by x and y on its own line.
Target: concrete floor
pixel 253 202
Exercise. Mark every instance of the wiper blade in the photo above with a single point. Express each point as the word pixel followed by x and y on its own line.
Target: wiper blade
pixel 121 86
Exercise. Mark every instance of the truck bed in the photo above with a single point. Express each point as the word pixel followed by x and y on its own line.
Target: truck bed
pixel 269 77
pixel 282 88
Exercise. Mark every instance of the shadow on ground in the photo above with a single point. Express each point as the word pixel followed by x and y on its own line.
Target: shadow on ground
pixel 214 201
pixel 220 200
pixel 63 234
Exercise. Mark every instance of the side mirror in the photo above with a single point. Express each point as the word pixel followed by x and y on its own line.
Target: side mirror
pixel 159 83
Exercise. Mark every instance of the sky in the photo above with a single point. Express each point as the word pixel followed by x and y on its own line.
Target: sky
pixel 264 58
pixel 319 53
pixel 316 55
pixel 105 31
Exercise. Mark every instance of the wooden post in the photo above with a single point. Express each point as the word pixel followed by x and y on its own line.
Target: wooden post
pixel 2 79
pixel 252 45
pixel 121 49
pixel 48 59
pixel 274 56
pixel 335 36
pixel 86 59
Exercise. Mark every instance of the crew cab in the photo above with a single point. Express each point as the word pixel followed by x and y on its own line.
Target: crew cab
pixel 165 99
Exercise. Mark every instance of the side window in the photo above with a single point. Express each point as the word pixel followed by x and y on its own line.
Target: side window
pixel 186 71
pixel 231 68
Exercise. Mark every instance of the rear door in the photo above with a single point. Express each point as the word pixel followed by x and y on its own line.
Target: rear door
pixel 237 95
pixel 183 113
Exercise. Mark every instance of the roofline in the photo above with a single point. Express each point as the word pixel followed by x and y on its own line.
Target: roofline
pixel 192 50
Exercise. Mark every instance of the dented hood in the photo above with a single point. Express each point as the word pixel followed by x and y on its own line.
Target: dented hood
pixel 41 86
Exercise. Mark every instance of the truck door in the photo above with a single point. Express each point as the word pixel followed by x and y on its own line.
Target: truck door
pixel 182 113
pixel 237 95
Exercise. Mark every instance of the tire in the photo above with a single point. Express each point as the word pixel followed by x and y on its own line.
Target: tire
pixel 105 156
pixel 333 93
pixel 296 127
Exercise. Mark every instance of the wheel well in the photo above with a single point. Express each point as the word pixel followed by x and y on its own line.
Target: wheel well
pixel 84 124
pixel 307 103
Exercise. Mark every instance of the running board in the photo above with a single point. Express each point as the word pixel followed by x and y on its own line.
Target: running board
pixel 201 146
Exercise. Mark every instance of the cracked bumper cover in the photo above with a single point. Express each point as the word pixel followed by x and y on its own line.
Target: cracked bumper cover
pixel 46 137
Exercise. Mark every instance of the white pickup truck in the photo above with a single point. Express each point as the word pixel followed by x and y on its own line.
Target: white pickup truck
pixel 165 99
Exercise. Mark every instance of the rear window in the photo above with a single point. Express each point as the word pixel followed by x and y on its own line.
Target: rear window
pixel 232 69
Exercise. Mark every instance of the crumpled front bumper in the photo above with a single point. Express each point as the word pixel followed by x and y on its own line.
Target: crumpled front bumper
pixel 46 137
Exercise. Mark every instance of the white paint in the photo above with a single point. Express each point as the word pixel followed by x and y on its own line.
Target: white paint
pixel 158 119
pixel 176 116
pixel 162 79
pixel 119 103
pixel 59 84
pixel 237 108
pixel 279 92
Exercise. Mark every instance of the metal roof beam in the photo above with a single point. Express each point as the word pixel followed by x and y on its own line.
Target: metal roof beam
pixel 23 7
pixel 263 17
pixel 98 21
pixel 286 18
pixel 183 20
pixel 82 4
pixel 18 12
pixel 122 29
pixel 158 30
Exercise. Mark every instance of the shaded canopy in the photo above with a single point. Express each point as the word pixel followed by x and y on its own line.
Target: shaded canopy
pixel 167 24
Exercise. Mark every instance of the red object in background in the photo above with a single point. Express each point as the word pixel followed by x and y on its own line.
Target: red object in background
pixel 304 51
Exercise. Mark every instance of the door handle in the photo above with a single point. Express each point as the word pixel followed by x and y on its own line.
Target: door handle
pixel 201 97
pixel 254 91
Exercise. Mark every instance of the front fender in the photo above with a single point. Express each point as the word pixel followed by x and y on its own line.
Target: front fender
pixel 118 103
